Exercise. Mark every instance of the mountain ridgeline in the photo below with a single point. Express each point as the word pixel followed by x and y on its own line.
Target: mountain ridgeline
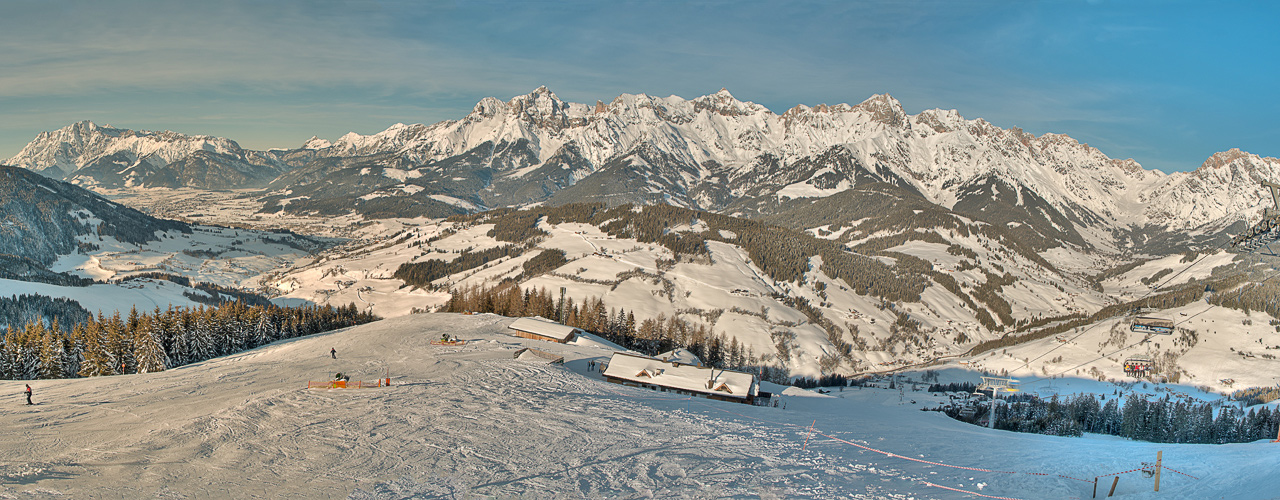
pixel 823 240
pixel 820 165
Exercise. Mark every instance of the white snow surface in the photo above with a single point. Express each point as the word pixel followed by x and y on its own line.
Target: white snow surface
pixel 472 422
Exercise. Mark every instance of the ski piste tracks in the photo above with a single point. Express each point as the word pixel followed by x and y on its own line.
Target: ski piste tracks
pixel 895 455
pixel 585 386
pixel 886 453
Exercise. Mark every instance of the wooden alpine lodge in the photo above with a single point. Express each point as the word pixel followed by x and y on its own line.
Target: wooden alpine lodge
pixel 535 329
pixel 682 378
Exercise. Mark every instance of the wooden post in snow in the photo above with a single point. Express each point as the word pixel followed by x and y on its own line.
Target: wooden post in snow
pixel 1095 486
pixel 1159 458
pixel 1113 486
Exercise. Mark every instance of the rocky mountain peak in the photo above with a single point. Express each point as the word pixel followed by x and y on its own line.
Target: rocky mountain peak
pixel 488 108
pixel 542 108
pixel 1224 158
pixel 83 126
pixel 941 120
pixel 723 103
pixel 316 142
pixel 885 109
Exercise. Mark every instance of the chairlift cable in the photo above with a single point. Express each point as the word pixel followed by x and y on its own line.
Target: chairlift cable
pixel 1275 192
pixel 1144 339
pixel 1144 296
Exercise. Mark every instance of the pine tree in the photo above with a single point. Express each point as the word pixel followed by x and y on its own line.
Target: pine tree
pixel 51 354
pixel 97 359
pixel 29 351
pixel 148 352
pixel 6 359
pixel 263 330
pixel 117 344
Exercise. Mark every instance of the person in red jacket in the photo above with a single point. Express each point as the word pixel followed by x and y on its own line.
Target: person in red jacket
pixel 28 393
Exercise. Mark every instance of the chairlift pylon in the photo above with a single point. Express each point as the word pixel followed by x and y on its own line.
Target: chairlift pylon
pixel 1265 231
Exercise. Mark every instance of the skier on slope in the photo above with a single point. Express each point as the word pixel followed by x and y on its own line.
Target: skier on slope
pixel 333 351
pixel 28 393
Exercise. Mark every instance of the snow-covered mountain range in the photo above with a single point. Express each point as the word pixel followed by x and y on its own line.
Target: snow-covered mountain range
pixel 713 153
pixel 88 154
pixel 981 231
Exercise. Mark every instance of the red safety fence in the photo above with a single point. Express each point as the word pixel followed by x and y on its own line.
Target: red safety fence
pixel 974 493
pixel 1183 473
pixel 1125 472
pixel 1149 468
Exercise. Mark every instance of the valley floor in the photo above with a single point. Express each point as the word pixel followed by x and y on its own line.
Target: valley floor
pixel 472 422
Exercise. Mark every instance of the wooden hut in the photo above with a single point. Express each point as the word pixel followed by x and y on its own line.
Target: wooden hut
pixel 674 376
pixel 530 328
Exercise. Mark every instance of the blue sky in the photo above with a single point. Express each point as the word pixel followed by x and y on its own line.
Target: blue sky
pixel 1167 83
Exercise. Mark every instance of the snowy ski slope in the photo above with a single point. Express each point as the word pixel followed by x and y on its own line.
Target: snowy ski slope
pixel 472 422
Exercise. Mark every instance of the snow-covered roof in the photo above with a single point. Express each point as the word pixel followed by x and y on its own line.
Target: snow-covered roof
pixel 706 380
pixel 680 354
pixel 544 328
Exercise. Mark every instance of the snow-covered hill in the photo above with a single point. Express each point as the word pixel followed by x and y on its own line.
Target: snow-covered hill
pixel 473 421
pixel 45 218
pixel 58 239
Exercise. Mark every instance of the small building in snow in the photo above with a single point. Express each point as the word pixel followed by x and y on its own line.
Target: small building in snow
pixel 674 376
pixel 530 328
pixel 681 355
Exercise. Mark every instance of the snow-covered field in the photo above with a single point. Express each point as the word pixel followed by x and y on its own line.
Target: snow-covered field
pixel 145 295
pixel 227 257
pixel 219 255
pixel 233 208
pixel 472 422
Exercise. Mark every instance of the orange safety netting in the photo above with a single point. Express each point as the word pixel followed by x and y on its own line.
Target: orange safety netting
pixel 343 384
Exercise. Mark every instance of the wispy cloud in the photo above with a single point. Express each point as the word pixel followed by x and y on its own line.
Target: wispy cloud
pixel 1114 73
